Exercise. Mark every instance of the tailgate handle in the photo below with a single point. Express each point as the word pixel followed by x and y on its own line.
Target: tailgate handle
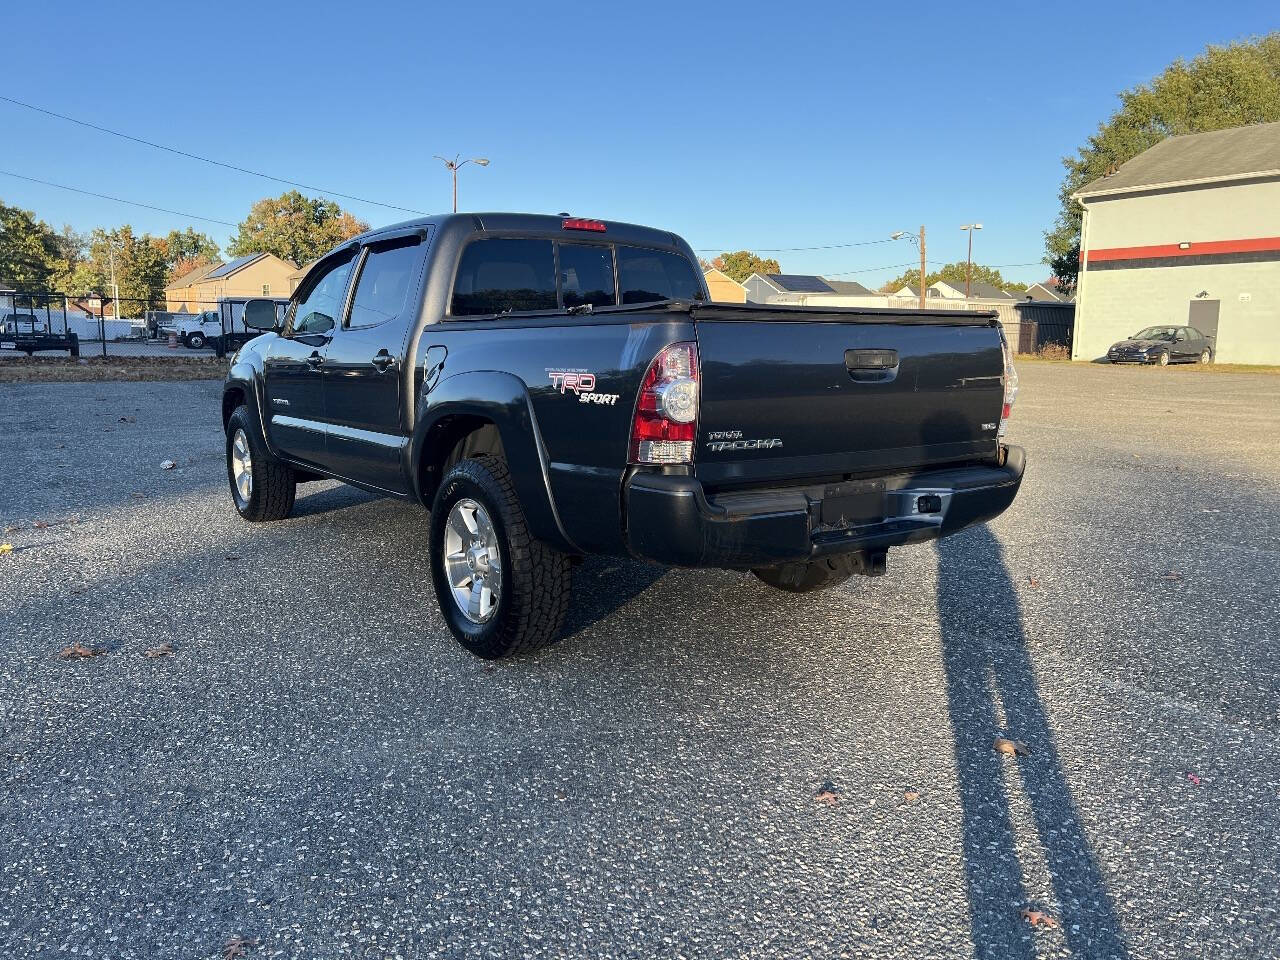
pixel 871 360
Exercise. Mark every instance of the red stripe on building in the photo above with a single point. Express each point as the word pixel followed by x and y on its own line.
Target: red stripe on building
pixel 1200 249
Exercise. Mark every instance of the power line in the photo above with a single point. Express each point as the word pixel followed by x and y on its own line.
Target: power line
pixel 828 246
pixel 107 196
pixel 887 266
pixel 216 163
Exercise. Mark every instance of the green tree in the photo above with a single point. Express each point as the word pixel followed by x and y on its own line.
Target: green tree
pixel 743 263
pixel 141 268
pixel 294 227
pixel 31 254
pixel 183 246
pixel 1223 87
pixel 954 274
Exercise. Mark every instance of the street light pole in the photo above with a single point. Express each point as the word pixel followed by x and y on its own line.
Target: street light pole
pixel 453 166
pixel 968 269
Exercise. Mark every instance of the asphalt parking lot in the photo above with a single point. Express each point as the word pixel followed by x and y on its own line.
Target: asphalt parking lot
pixel 319 768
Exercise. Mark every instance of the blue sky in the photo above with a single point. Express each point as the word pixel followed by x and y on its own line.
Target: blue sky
pixel 736 125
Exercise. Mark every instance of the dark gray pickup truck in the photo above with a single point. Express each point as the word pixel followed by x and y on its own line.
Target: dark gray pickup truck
pixel 553 387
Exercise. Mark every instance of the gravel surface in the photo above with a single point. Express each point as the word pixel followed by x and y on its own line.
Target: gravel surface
pixel 319 768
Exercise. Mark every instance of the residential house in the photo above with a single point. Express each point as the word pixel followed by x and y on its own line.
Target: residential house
pixel 295 278
pixel 723 288
pixel 809 290
pixel 254 275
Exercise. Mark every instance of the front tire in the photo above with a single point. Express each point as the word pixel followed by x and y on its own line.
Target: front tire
pixel 1163 360
pixel 196 341
pixel 806 577
pixel 501 592
pixel 262 485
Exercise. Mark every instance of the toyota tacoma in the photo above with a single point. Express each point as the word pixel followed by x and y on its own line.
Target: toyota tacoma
pixel 551 387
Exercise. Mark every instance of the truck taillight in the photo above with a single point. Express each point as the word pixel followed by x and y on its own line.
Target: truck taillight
pixel 666 419
pixel 1010 381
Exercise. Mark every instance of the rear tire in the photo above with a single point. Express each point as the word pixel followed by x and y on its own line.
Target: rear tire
pixel 196 341
pixel 1163 360
pixel 271 487
pixel 806 577
pixel 533 579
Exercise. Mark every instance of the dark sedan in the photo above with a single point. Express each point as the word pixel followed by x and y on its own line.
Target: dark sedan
pixel 1163 345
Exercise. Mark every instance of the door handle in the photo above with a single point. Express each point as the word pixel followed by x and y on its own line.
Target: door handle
pixel 383 361
pixel 315 359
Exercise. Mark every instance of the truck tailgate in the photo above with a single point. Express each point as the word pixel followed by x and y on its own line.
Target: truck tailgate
pixel 790 396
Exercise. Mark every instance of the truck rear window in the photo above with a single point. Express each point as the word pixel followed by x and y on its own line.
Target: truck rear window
pixel 647 276
pixel 501 276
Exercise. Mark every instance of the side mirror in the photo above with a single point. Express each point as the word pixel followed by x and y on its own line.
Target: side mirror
pixel 260 315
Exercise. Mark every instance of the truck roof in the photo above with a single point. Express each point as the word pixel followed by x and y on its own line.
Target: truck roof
pixel 549 224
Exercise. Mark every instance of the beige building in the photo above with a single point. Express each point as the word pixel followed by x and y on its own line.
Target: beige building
pixel 295 278
pixel 724 289
pixel 255 275
pixel 1187 232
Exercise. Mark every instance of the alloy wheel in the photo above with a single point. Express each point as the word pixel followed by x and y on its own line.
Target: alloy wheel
pixel 473 560
pixel 242 466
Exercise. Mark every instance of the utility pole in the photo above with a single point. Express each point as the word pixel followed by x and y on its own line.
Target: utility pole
pixel 919 242
pixel 115 290
pixel 922 266
pixel 968 269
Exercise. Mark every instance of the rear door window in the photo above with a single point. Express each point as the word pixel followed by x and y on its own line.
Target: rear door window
pixel 586 274
pixel 647 276
pixel 383 284
pixel 505 275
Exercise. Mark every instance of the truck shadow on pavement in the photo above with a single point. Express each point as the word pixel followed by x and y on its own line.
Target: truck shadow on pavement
pixel 989 670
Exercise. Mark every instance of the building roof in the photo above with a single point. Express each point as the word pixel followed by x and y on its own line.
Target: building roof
pixel 1037 291
pixel 302 270
pixel 227 269
pixel 798 283
pixel 1229 154
pixel 850 288
pixel 977 289
pixel 195 275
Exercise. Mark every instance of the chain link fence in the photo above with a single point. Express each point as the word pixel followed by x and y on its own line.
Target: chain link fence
pixel 43 323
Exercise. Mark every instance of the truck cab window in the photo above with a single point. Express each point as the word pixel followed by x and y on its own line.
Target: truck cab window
pixel 383 284
pixel 586 274
pixel 317 312
pixel 503 276
pixel 647 276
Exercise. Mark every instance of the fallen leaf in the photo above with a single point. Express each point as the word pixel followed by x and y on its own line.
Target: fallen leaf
pixel 167 464
pixel 6 548
pixel 13 528
pixel 39 525
pixel 1015 748
pixel 1194 779
pixel 161 651
pixel 1033 581
pixel 128 420
pixel 827 794
pixel 238 947
pixel 78 651
pixel 911 796
pixel 1173 576
pixel 1037 918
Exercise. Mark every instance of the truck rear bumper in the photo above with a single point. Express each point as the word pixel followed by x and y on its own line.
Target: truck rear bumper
pixel 671 520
